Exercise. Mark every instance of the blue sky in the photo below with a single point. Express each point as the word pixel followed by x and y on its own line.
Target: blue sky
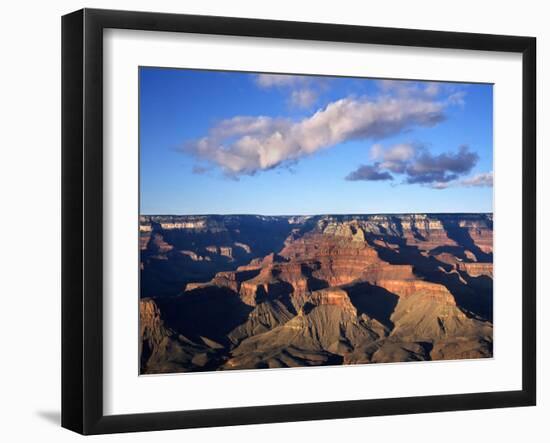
pixel 214 142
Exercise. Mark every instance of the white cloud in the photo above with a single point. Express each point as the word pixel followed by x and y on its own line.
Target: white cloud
pixel 441 185
pixel 432 89
pixel 246 145
pixel 279 80
pixel 456 98
pixel 481 180
pixel 303 98
pixel 395 157
pixel 484 179
pixel 244 125
pixel 407 88
pixel 303 90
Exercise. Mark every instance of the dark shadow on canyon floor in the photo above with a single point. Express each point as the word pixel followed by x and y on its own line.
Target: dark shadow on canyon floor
pixel 374 301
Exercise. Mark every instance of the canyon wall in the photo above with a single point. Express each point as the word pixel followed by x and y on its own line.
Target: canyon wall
pixel 240 292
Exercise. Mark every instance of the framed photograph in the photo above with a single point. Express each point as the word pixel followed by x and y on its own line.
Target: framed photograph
pixel 269 221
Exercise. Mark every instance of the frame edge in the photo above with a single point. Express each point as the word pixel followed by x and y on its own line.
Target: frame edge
pixel 529 220
pixel 72 117
pixel 82 394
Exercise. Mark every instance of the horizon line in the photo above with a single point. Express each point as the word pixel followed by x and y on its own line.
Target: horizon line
pixel 312 215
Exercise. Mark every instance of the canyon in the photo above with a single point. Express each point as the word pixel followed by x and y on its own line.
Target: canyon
pixel 226 292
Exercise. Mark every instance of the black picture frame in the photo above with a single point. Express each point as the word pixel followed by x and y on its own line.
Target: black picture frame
pixel 82 215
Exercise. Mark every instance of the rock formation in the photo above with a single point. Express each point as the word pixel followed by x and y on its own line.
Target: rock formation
pixel 241 292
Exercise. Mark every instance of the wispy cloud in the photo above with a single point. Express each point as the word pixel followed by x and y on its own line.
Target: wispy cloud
pixel 303 98
pixel 404 88
pixel 199 170
pixel 244 145
pixel 457 98
pixel 484 179
pixel 417 165
pixel 455 93
pixel 304 91
pixel 280 80
pixel 395 158
pixel 481 180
